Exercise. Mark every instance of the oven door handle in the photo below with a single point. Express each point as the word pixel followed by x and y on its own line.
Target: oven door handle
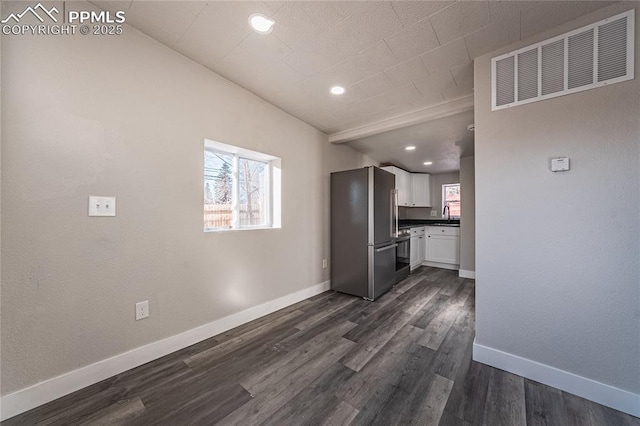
pixel 386 248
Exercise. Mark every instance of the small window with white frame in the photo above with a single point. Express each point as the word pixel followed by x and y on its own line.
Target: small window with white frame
pixel 451 199
pixel 241 188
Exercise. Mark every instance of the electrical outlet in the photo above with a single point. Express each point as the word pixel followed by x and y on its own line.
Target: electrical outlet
pixel 434 213
pixel 142 310
pixel 324 263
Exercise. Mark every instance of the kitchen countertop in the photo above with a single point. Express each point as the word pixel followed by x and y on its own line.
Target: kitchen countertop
pixel 412 223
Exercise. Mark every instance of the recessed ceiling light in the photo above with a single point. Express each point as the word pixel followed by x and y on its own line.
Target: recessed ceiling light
pixel 261 24
pixel 337 90
pixel 428 163
pixel 410 148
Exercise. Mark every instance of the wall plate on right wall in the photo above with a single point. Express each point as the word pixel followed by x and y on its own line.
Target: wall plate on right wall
pixel 560 164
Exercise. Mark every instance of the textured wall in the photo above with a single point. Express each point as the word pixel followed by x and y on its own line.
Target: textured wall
pixel 414 212
pixel 0 207
pixel 467 214
pixel 436 188
pixel 126 116
pixel 558 254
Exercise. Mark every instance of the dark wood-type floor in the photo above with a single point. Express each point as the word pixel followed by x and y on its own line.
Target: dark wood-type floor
pixel 333 359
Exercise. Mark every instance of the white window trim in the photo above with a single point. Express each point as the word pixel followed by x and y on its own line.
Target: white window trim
pixel 273 198
pixel 444 190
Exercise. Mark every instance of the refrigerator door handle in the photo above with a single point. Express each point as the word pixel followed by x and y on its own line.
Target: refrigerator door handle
pixel 386 248
pixel 395 211
pixel 392 206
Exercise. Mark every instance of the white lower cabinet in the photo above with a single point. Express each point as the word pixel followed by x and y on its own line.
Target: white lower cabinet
pixel 413 259
pixel 417 247
pixel 422 247
pixel 443 245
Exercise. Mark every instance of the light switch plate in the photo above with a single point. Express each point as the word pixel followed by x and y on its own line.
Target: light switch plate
pixel 102 206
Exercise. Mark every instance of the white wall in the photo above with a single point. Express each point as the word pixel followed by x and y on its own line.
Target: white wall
pixel 1 112
pixel 367 161
pixel 467 215
pixel 558 254
pixel 436 189
pixel 126 116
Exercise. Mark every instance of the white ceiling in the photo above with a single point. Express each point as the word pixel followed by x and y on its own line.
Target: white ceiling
pixel 441 141
pixel 393 57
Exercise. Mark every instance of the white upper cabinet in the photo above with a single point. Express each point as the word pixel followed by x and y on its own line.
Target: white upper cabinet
pixel 420 190
pixel 403 185
pixel 404 188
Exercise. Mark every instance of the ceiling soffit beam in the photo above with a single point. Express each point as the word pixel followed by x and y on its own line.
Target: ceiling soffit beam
pixel 416 117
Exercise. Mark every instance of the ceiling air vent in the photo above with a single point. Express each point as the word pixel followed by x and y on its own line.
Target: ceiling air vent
pixel 528 74
pixel 589 57
pixel 612 49
pixel 505 77
pixel 552 69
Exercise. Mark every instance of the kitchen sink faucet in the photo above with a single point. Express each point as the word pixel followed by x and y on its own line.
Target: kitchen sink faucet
pixel 448 211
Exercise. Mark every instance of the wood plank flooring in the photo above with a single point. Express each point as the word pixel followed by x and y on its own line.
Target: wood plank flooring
pixel 334 360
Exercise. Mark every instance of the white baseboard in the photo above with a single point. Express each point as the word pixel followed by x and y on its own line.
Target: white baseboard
pixel 463 273
pixel 43 392
pixel 601 393
pixel 441 265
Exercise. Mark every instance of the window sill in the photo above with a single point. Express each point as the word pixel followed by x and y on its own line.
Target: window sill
pixel 257 228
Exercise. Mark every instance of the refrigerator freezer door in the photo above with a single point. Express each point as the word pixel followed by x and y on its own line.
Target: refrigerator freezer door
pixel 349 232
pixel 384 269
pixel 384 184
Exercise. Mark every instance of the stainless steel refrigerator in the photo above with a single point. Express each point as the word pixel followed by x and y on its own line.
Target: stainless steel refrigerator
pixel 363 229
